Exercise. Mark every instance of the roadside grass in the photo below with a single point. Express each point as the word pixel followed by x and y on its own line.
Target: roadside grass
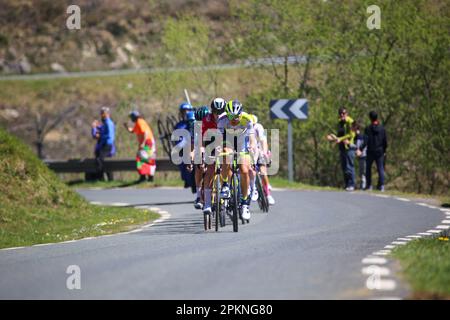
pixel 426 266
pixel 36 207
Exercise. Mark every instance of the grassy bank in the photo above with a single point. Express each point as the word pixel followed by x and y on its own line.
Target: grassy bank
pixel 36 207
pixel 426 266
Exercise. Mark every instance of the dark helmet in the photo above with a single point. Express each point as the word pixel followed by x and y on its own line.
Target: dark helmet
pixel 201 112
pixel 134 115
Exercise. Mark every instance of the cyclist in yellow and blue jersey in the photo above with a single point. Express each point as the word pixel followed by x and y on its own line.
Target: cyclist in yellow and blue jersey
pixel 238 126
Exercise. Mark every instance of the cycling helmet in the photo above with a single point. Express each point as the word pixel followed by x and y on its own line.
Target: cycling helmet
pixel 201 112
pixel 233 109
pixel 134 115
pixel 190 116
pixel 218 105
pixel 186 106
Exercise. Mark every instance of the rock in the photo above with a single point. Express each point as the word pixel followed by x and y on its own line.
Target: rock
pixel 24 65
pixel 56 67
pixel 121 59
pixel 9 114
pixel 129 47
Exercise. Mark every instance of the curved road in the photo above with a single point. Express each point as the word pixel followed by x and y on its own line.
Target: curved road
pixel 310 246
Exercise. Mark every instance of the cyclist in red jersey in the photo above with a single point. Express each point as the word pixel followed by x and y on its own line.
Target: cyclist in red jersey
pixel 209 122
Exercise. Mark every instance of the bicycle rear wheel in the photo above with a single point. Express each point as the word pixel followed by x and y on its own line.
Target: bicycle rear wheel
pixel 262 197
pixel 235 201
pixel 207 221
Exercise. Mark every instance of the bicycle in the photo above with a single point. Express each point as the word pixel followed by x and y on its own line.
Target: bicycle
pixel 218 204
pixel 234 206
pixel 263 202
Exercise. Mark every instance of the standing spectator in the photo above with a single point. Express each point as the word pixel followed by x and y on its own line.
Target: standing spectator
pixel 104 132
pixel 376 142
pixel 146 154
pixel 344 138
pixel 361 153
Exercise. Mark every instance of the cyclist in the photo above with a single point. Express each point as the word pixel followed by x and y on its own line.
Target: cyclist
pixel 186 175
pixel 199 169
pixel 262 161
pixel 209 122
pixel 239 122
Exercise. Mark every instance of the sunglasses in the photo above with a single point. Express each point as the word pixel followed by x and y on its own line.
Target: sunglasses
pixel 233 117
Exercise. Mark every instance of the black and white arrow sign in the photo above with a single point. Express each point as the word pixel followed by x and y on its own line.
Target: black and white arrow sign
pixel 289 109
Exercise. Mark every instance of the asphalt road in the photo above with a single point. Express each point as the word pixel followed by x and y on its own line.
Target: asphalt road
pixel 309 246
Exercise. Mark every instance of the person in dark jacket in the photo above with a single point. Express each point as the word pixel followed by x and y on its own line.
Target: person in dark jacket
pixel 376 142
pixel 104 133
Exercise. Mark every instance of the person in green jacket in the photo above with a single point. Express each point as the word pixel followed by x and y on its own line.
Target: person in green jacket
pixel 344 138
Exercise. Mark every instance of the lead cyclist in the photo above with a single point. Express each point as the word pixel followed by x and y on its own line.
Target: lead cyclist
pixel 240 125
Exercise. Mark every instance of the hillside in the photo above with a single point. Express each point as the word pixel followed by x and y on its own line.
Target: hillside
pixel 36 207
pixel 114 34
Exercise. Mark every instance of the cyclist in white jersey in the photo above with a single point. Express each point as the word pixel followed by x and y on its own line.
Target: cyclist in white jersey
pixel 262 161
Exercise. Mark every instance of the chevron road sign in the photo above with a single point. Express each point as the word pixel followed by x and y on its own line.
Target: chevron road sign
pixel 289 109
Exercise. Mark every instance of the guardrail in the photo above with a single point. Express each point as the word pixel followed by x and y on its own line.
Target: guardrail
pixel 111 165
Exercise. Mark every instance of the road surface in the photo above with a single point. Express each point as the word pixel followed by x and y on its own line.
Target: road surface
pixel 309 246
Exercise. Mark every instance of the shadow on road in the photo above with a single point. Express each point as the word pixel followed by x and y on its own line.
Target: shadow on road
pixel 159 203
pixel 180 226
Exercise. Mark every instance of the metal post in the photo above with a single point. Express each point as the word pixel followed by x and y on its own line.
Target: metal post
pixel 187 96
pixel 290 153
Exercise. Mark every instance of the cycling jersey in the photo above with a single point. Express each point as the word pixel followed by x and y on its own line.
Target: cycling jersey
pixel 260 135
pixel 242 130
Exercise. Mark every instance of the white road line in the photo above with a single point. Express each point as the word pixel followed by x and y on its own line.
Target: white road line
pixel 444 210
pixel 13 248
pixel 96 203
pixel 403 199
pixel 141 207
pixel 163 212
pixel 403 239
pixel 399 242
pixel 382 252
pixel 41 244
pixel 425 233
pixel 380 271
pixel 442 227
pixel 380 284
pixel 155 209
pixel 445 221
pixel 119 204
pixel 374 260
pixel 381 196
pixel 389 246
pixel 434 231
pixel 414 236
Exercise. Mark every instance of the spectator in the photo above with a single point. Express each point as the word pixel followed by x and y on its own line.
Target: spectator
pixel 104 133
pixel 344 138
pixel 360 153
pixel 376 142
pixel 146 154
